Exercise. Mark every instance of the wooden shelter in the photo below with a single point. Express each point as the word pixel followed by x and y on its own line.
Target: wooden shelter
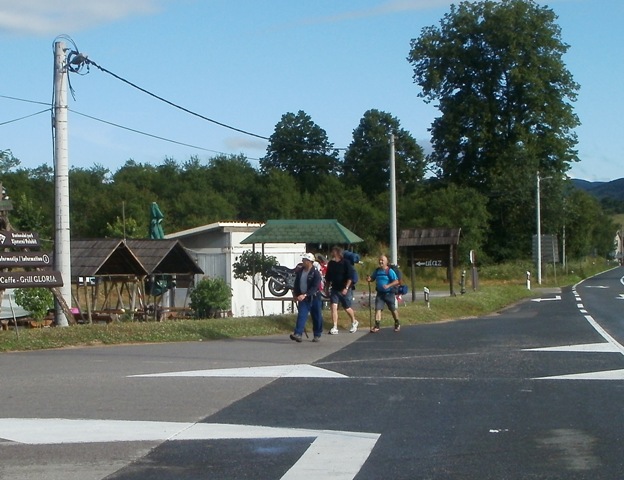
pixel 102 269
pixel 111 274
pixel 311 231
pixel 431 247
pixel 167 262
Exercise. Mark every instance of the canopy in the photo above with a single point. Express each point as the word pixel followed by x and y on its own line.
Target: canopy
pixel 303 231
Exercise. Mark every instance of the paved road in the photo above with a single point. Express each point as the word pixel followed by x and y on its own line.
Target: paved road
pixel 533 392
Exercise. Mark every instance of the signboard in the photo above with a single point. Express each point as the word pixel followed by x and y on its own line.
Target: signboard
pixel 430 256
pixel 43 278
pixel 19 239
pixel 422 262
pixel 549 247
pixel 24 259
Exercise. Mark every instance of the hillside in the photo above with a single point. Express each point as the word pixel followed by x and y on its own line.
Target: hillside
pixel 613 189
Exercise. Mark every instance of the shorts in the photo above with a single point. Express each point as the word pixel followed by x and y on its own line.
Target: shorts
pixel 385 298
pixel 336 296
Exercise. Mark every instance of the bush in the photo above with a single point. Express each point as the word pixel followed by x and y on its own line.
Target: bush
pixel 211 296
pixel 36 300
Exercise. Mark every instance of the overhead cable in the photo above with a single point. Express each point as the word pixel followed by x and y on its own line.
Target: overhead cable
pixel 78 60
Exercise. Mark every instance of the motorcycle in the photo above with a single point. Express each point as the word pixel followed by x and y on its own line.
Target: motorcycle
pixel 282 279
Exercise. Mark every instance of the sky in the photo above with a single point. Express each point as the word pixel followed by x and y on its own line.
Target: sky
pixel 243 64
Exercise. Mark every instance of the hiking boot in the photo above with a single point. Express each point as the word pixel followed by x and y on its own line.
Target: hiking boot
pixel 333 331
pixel 296 338
pixel 354 326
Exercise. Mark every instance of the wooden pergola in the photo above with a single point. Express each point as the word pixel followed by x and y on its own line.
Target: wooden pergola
pixel 110 275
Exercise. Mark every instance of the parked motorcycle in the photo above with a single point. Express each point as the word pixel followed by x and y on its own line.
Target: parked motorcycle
pixel 282 280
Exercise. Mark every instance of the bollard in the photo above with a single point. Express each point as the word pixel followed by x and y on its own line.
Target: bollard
pixel 462 284
pixel 426 292
pixel 528 280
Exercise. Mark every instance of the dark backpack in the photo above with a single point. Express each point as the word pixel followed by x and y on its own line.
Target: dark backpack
pixel 352 258
pixel 399 289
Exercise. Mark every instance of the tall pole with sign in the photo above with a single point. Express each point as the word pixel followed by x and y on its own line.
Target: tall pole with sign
pixel 62 259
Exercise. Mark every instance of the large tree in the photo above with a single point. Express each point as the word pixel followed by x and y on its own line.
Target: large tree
pixel 367 160
pixel 300 147
pixel 505 96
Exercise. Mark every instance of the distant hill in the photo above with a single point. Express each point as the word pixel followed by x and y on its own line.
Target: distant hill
pixel 613 189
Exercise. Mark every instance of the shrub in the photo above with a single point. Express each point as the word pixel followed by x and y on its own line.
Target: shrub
pixel 210 296
pixel 36 300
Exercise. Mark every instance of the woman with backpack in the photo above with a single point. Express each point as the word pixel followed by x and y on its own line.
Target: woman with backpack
pixel 385 279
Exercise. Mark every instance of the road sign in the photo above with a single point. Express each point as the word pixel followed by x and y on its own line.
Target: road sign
pixel 428 262
pixel 24 259
pixel 19 239
pixel 43 278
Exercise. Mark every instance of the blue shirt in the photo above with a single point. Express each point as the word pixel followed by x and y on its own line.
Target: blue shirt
pixel 384 276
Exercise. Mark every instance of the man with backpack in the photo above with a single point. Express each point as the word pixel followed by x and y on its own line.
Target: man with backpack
pixel 340 277
pixel 386 279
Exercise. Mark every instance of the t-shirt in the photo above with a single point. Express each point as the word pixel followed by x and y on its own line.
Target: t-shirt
pixel 384 276
pixel 339 273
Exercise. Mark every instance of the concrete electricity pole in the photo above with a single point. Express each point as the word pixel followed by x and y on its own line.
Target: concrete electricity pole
pixel 62 258
pixel 394 260
pixel 539 233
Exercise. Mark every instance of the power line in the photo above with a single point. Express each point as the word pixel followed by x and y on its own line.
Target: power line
pixel 158 137
pixel 145 133
pixel 78 60
pixel 24 100
pixel 27 116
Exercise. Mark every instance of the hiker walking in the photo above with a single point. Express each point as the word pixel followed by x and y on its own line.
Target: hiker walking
pixel 385 279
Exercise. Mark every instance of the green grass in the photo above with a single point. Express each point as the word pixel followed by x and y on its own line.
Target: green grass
pixel 498 288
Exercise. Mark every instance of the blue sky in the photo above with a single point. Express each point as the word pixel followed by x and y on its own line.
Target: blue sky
pixel 245 63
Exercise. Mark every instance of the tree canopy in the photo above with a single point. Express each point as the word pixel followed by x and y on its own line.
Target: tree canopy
pixel 366 162
pixel 300 147
pixel 505 97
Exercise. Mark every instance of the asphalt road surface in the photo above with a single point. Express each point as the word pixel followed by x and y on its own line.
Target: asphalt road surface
pixel 533 392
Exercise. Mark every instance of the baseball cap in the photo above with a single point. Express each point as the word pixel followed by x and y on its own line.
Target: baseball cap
pixel 308 256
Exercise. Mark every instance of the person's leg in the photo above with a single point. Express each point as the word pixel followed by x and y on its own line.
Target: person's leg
pixel 302 315
pixel 379 305
pixel 394 311
pixel 348 307
pixel 317 317
pixel 334 298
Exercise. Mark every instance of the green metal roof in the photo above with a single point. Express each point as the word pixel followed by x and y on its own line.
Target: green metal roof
pixel 303 231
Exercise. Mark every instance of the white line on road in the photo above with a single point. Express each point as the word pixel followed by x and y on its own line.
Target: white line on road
pixel 333 454
pixel 274 371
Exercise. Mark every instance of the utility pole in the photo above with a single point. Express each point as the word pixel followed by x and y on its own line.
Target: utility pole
pixel 539 234
pixel 393 221
pixel 62 258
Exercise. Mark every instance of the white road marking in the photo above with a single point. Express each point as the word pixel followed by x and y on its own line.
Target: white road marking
pixel 590 347
pixel 606 375
pixel 611 346
pixel 556 297
pixel 333 454
pixel 275 371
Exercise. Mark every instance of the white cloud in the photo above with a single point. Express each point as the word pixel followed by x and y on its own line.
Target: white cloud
pixel 46 17
pixel 387 8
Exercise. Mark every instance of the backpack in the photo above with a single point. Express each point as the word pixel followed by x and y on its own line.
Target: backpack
pixel 399 289
pixel 352 258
